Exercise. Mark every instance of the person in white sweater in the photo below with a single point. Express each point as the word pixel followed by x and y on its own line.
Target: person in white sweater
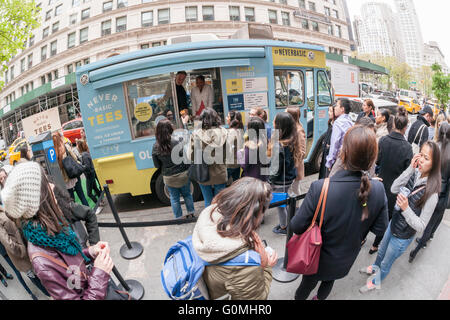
pixel 202 96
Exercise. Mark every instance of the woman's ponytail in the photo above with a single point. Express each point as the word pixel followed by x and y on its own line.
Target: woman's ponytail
pixel 363 196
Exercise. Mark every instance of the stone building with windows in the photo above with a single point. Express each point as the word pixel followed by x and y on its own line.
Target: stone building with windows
pixel 78 32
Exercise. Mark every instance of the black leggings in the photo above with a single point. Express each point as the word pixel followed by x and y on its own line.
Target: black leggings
pixel 309 283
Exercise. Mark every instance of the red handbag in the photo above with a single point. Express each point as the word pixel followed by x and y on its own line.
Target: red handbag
pixel 304 250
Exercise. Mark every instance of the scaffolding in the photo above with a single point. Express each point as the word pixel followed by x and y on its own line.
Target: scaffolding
pixel 66 99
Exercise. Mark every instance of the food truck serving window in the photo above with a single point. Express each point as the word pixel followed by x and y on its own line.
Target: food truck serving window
pixel 149 100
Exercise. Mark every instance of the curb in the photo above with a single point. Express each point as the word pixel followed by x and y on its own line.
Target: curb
pixel 445 293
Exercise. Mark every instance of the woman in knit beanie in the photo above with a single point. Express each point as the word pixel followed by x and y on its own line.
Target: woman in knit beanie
pixel 57 258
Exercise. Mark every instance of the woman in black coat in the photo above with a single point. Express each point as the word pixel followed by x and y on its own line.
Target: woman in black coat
pixel 351 210
pixel 394 157
pixel 323 173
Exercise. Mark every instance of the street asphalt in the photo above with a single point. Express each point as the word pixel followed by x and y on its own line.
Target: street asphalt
pixel 422 280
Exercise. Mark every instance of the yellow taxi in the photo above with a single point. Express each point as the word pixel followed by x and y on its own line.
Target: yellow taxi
pixel 14 156
pixel 15 144
pixel 411 105
pixel 2 155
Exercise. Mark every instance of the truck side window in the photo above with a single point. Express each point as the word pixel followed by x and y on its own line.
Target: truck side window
pixel 324 91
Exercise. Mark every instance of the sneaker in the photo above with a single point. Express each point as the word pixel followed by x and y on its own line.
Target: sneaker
pixel 5 283
pixel 369 270
pixel 279 230
pixel 368 287
pixel 315 298
pixel 99 210
pixel 9 276
pixel 418 240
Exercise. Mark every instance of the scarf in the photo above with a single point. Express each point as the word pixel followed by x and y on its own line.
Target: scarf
pixel 66 241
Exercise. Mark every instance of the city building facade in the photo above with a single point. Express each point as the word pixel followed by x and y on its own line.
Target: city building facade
pixel 410 32
pixel 377 31
pixel 432 54
pixel 78 32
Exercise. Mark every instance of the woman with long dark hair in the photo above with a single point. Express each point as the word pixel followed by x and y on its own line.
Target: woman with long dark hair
pixel 235 139
pixel 92 189
pixel 254 159
pixel 436 219
pixel 208 145
pixel 368 109
pixel 62 151
pixel 286 155
pixel 423 181
pixel 355 203
pixel 295 113
pixel 175 175
pixel 394 157
pixel 384 123
pixel 55 253
pixel 326 144
pixel 227 229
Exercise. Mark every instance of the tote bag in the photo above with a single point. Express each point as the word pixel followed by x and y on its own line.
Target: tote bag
pixel 304 250
pixel 72 167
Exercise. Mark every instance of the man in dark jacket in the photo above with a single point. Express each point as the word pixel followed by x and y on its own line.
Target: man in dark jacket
pixel 423 122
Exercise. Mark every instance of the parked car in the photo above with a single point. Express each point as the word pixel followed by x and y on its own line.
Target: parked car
pixel 389 96
pixel 72 130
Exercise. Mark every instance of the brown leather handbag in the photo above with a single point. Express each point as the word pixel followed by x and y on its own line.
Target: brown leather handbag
pixel 304 250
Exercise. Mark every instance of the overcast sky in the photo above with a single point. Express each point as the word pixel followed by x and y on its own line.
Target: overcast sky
pixel 434 16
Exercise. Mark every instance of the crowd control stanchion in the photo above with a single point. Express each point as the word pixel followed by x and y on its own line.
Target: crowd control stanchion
pixel 279 272
pixel 133 287
pixel 130 250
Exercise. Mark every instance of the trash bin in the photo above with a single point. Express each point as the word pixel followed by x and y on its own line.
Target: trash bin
pixel 44 153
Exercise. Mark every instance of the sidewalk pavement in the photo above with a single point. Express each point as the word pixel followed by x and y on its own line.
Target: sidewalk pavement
pixel 425 279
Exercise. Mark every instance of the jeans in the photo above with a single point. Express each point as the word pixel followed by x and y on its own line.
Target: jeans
pixel 79 190
pixel 309 283
pixel 391 248
pixel 175 194
pixel 209 192
pixel 282 212
pixel 91 188
pixel 234 173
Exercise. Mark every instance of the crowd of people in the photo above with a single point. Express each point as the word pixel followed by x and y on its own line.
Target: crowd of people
pixel 377 184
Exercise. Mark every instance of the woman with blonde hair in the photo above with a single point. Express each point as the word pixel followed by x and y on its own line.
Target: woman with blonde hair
pixel 439 119
pixel 295 113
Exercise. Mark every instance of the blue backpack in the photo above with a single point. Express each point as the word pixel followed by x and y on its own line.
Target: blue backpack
pixel 182 271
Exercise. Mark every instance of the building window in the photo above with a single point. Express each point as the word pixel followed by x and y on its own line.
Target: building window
pixel 87 61
pixel 249 14
pixel 12 72
pixel 55 27
pixel 55 74
pixel 235 14
pixel 301 4
pixel 121 24
pixel 43 80
pixel 147 1
pixel 48 15
pixel 283 1
pixel 336 14
pixel 315 26
pixel 77 64
pixel 30 61
pixel 75 3
pixel 330 30
pixel 106 28
pixel 58 10
pixel 22 65
pixel 84 35
pixel 285 18
pixel 156 44
pixel 208 13
pixel 43 53
pixel 70 68
pixel 49 77
pixel 312 6
pixel 305 24
pixel 145 46
pixel 85 14
pixel 147 18
pixel 45 32
pixel 191 14
pixel 273 17
pixel 31 41
pixel 73 18
pixel 121 3
pixel 53 48
pixel 71 40
pixel 327 11
pixel 107 6
pixel 163 16
pixel 339 31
